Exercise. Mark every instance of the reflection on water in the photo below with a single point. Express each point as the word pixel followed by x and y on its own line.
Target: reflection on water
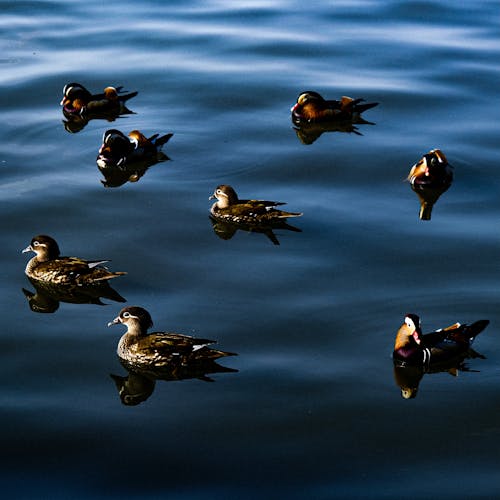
pixel 304 316
pixel 47 296
pixel 226 230
pixel 428 196
pixel 408 377
pixel 139 383
pixel 307 133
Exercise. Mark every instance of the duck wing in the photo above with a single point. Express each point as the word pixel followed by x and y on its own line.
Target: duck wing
pixel 175 342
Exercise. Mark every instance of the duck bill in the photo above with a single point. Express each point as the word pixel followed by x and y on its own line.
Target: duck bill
pixel 212 197
pixel 116 321
pixel 27 249
pixel 416 337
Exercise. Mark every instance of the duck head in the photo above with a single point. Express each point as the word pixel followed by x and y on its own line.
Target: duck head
pixel 73 91
pixel 115 147
pixel 307 98
pixel 409 333
pixel 225 195
pixel 135 318
pixel 431 165
pixel 45 247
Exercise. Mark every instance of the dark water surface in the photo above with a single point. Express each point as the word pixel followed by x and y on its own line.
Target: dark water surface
pixel 314 410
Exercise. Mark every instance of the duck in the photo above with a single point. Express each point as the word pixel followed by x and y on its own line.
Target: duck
pixel 230 208
pixel 429 178
pixel 432 170
pixel 312 107
pixel 49 266
pixel 118 149
pixel 411 347
pixel 139 348
pixel 78 100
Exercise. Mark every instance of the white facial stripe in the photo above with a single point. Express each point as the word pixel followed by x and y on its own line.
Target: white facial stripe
pixel 409 323
pixel 130 316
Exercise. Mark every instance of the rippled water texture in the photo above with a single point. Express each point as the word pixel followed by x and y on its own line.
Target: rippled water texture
pixel 314 409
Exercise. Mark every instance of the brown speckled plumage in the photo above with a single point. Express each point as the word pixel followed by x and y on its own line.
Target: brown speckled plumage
pixel 231 209
pixel 158 349
pixel 49 266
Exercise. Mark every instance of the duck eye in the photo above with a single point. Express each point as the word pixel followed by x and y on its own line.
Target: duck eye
pixel 126 314
pixel 35 243
pixel 219 191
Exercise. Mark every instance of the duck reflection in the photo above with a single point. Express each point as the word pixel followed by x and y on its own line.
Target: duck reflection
pixel 226 230
pixel 408 377
pixel 430 177
pixel 80 106
pixel 307 133
pixel 312 115
pixel 229 213
pixel 444 350
pixel 139 383
pixel 125 158
pixel 47 296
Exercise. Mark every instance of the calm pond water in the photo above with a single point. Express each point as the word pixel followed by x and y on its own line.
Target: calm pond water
pixel 314 410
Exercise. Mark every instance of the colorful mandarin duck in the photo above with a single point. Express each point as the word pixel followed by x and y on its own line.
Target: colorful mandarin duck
pixel 230 208
pixel 48 266
pixel 311 107
pixel 78 100
pixel 440 346
pixel 137 347
pixel 118 150
pixel 430 177
pixel 432 169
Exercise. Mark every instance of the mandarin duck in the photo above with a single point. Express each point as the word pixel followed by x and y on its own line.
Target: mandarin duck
pixel 137 347
pixel 47 265
pixel 78 100
pixel 118 150
pixel 413 348
pixel 430 177
pixel 311 107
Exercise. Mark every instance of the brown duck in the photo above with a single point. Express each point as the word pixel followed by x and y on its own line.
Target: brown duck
pixel 49 266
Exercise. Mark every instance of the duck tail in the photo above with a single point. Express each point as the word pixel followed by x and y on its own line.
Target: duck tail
pixel 209 353
pixel 476 328
pixel 360 108
pixel 109 276
pixel 285 215
pixel 160 141
pixel 126 97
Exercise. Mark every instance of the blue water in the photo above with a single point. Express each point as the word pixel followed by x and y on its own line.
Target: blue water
pixel 314 410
